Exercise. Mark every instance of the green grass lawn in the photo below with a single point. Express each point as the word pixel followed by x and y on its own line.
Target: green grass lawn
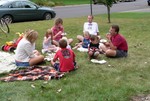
pixel 72 2
pixel 61 2
pixel 117 80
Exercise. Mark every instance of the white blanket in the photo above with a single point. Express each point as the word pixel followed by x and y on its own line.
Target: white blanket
pixel 7 62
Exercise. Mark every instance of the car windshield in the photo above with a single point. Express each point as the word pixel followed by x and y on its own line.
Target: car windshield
pixel 17 4
pixel 2 2
pixel 26 3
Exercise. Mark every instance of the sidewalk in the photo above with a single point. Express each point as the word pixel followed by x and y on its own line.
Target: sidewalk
pixel 139 10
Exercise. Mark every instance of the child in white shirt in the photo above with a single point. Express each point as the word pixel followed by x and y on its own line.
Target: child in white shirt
pixel 47 42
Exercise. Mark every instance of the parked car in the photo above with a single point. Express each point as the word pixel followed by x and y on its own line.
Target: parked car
pixel 24 10
pixel 148 1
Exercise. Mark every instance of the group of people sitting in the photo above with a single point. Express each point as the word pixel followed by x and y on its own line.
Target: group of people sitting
pixel 64 59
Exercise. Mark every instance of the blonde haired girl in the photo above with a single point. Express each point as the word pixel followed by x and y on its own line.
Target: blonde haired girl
pixel 25 54
pixel 48 42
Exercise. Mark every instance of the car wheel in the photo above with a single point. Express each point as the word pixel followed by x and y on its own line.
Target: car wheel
pixel 11 49
pixel 47 16
pixel 8 19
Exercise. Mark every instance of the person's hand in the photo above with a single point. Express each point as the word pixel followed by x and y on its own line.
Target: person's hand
pixel 64 34
pixel 49 37
pixel 108 35
pixel 60 32
pixel 106 43
pixel 36 52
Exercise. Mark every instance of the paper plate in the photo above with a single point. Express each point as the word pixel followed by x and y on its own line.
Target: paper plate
pixel 98 61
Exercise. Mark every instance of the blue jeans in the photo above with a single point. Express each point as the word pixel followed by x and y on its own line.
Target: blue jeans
pixel 22 64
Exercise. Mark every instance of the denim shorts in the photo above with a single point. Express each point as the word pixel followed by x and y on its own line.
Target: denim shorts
pixel 22 64
pixel 57 66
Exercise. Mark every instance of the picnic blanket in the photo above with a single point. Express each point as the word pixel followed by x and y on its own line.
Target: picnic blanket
pixel 7 62
pixel 33 73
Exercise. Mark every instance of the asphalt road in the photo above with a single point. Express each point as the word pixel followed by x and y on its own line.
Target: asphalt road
pixel 84 10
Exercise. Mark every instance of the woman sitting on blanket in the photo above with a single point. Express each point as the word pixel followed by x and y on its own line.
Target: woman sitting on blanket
pixel 25 54
pixel 85 42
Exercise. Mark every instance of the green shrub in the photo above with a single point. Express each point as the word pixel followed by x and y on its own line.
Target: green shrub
pixel 44 2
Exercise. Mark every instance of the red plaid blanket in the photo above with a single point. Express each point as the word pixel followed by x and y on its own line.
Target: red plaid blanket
pixel 33 73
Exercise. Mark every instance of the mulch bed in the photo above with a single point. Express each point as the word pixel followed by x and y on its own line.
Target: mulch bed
pixel 141 97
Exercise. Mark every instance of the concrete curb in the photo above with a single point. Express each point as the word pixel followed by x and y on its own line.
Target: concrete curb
pixel 139 10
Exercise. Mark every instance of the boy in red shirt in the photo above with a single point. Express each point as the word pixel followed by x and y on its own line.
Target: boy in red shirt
pixel 66 58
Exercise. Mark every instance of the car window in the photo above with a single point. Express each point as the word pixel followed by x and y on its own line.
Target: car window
pixel 28 5
pixel 4 4
pixel 20 4
pixel 16 5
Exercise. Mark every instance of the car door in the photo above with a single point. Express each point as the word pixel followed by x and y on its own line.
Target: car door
pixel 31 11
pixel 17 11
pixel 23 11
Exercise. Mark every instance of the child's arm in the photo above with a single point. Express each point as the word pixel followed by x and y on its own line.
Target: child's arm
pixel 52 38
pixel 55 57
pixel 88 47
pixel 46 40
pixel 59 33
pixel 76 46
pixel 54 60
pixel 80 43
pixel 74 57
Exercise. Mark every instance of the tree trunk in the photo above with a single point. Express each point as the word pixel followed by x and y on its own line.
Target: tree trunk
pixel 108 11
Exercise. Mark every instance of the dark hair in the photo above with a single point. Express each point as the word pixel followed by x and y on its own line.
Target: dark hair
pixel 62 43
pixel 116 27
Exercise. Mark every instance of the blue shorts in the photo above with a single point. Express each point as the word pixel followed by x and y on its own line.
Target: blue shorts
pixel 22 64
pixel 57 67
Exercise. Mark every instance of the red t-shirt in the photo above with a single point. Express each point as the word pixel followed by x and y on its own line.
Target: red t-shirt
pixel 55 30
pixel 66 58
pixel 120 42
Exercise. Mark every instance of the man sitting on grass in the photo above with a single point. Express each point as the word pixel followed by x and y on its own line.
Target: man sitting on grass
pixel 117 45
pixel 91 27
